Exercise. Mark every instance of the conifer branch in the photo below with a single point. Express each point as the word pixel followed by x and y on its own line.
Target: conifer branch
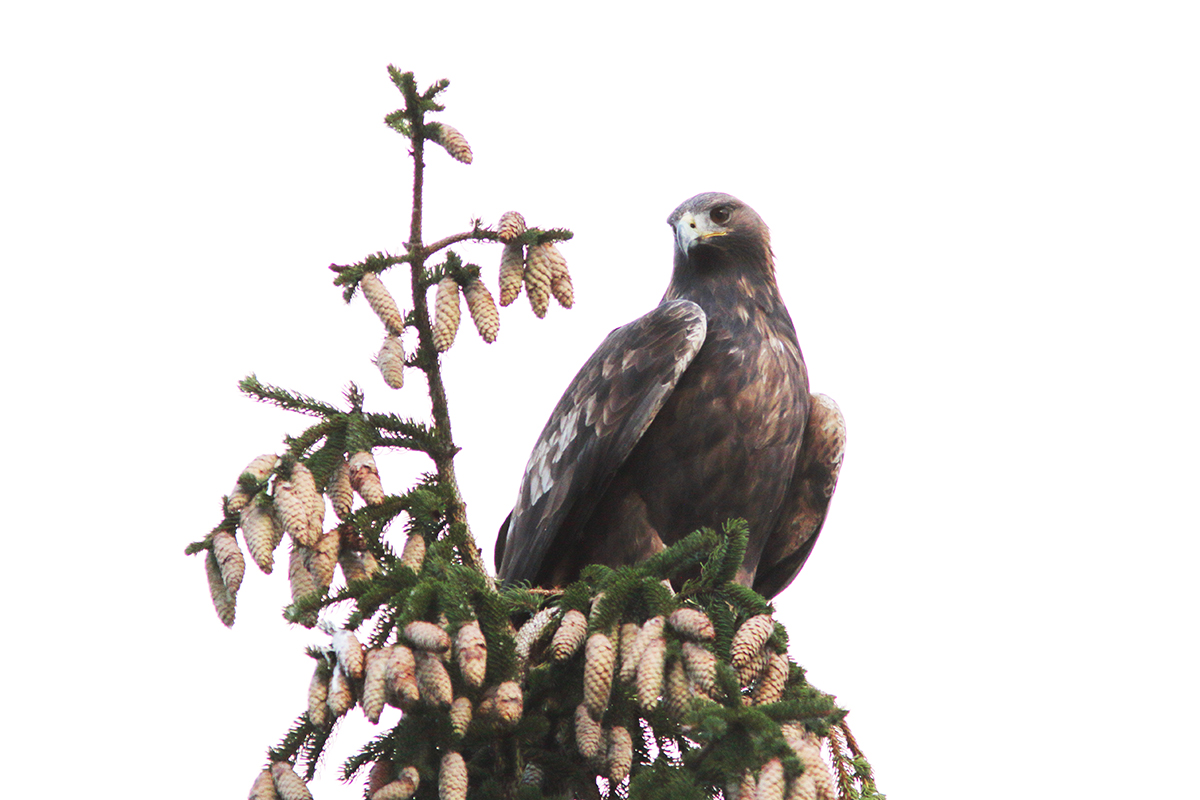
pixel 292 401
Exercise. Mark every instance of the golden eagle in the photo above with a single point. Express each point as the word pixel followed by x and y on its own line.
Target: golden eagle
pixel 695 413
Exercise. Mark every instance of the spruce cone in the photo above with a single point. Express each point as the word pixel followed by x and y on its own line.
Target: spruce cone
pixel 692 624
pixel 352 566
pixel 291 511
pixel 807 748
pixel 402 788
pixel 620 754
pixel 533 774
pixel 414 552
pixel 364 478
pixel 306 485
pixel 374 691
pixel 749 639
pixel 504 703
pixel 301 580
pixel 453 141
pixel 754 670
pixel 772 683
pixel 369 562
pixel 531 631
pixel 349 653
pixel 452 779
pixel 260 469
pixel 588 733
pixel 402 690
pixel 229 559
pixel 629 637
pixel 511 225
pixel 427 636
pixel 223 600
pixel 569 635
pixel 318 696
pixel 390 361
pixel 381 303
pixel 744 789
pixel 538 270
pixel 701 667
pixel 471 649
pixel 446 314
pixel 460 715
pixel 261 534
pixel 433 680
pixel 324 558
pixel 770 781
pixel 597 674
pixel 341 694
pixel 560 278
pixel 651 630
pixel 380 776
pixel 264 787
pixel 803 788
pixel 339 490
pixel 650 672
pixel 288 783
pixel 483 310
pixel 676 693
pixel 512 270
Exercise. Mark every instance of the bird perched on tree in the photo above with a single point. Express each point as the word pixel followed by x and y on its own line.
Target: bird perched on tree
pixel 693 414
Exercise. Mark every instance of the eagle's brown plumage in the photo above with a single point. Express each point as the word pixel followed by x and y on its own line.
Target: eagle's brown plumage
pixel 697 412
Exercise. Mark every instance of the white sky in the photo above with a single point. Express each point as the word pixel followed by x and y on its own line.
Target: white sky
pixel 986 224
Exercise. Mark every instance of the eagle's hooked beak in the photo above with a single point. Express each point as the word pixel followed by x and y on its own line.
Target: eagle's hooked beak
pixel 690 230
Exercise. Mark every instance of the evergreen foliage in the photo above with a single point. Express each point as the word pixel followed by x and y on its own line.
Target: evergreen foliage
pixel 658 694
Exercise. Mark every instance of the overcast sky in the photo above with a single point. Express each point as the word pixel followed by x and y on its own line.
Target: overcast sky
pixel 986 219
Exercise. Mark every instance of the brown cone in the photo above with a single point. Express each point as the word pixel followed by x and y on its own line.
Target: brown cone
pixel 483 310
pixel 288 783
pixel 264 787
pixel 260 531
pixel 512 271
pixel 511 225
pixel 620 754
pixel 223 600
pixel 390 361
pixel 453 141
pixel 597 674
pixel 414 552
pixel 402 690
pixel 381 302
pixel 460 715
pixel 318 696
pixel 471 650
pixel 374 690
pixel 569 635
pixel 433 680
pixel 229 559
pixel 692 624
pixel 446 314
pixel 339 490
pixel 538 271
pixel 588 733
pixel 427 636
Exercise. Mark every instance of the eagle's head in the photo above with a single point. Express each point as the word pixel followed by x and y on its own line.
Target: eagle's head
pixel 717 231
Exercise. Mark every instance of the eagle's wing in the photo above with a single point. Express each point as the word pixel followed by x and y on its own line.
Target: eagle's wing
pixel 804 509
pixel 595 425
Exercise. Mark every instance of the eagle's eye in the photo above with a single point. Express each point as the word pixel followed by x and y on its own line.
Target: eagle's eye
pixel 719 215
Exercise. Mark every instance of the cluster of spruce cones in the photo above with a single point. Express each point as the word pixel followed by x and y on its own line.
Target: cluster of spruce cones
pixel 540 267
pixel 411 672
pixel 637 656
pixel 292 505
